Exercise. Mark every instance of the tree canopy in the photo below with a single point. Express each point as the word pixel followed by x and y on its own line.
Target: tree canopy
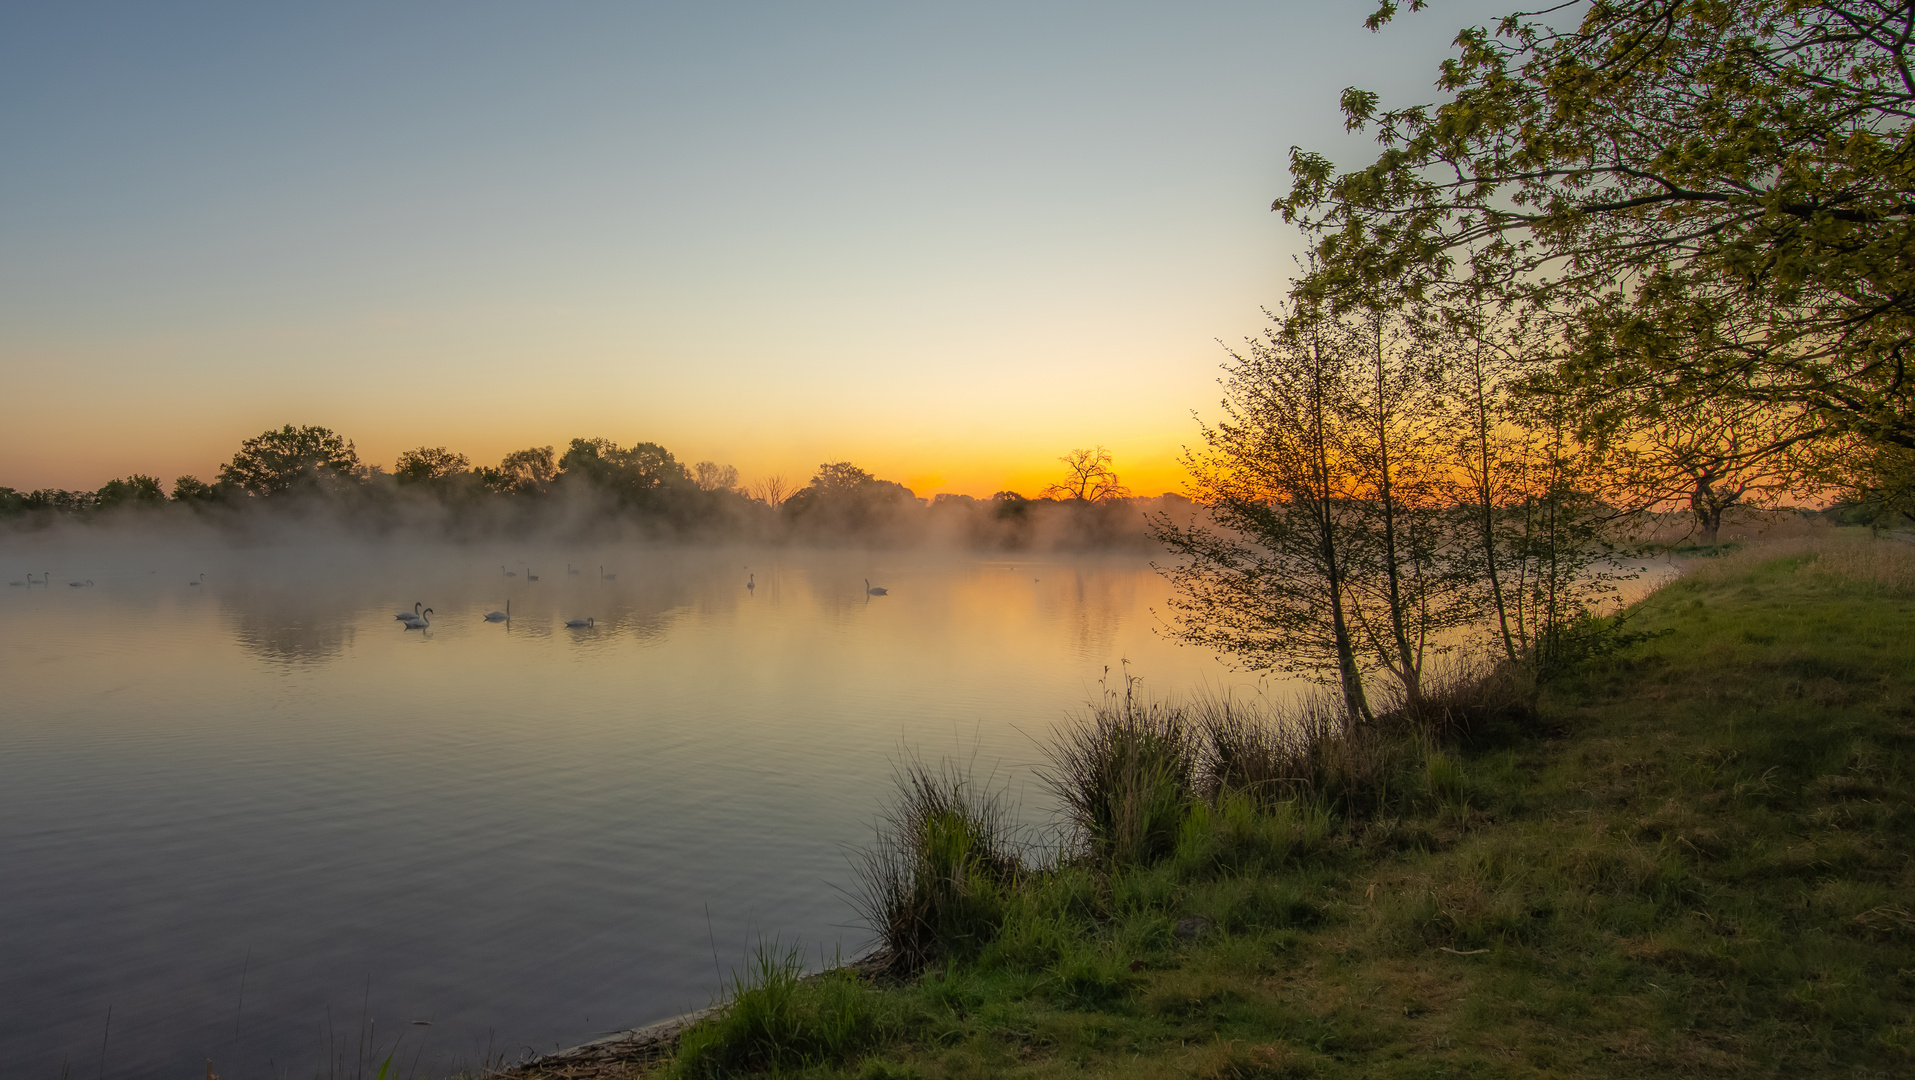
pixel 427 464
pixel 1707 197
pixel 274 461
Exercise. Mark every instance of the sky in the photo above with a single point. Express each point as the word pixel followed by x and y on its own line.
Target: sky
pixel 948 243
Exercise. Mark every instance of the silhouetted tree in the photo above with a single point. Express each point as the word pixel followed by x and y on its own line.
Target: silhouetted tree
pixel 771 491
pixel 1268 580
pixel 636 474
pixel 58 499
pixel 275 461
pixel 427 464
pixel 137 489
pixel 711 476
pixel 1713 455
pixel 1088 478
pixel 844 498
pixel 191 489
pixel 523 472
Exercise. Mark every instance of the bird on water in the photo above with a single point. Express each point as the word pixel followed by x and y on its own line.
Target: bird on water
pixel 500 616
pixel 879 591
pixel 586 623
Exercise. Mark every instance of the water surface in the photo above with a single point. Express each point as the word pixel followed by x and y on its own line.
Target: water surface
pixel 257 817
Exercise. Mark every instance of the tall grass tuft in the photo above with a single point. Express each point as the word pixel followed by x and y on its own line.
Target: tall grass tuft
pixel 1126 777
pixel 934 884
pixel 777 1020
pixel 1468 702
pixel 1270 755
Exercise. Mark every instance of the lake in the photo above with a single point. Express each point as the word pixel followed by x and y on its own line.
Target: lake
pixel 262 822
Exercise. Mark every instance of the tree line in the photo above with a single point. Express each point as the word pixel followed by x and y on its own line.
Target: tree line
pixel 1648 256
pixel 643 484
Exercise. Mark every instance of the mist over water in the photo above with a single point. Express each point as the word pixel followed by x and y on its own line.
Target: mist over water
pixel 515 831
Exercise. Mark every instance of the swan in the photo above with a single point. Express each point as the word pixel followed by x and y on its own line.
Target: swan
pixel 508 573
pixel 500 616
pixel 80 584
pixel 586 623
pixel 422 622
pixel 202 577
pixel 529 575
pixel 879 591
pixel 28 581
pixel 409 616
pixel 603 576
pixel 751 581
pixel 570 571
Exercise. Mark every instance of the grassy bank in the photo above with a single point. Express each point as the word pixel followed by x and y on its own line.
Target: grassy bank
pixel 1691 858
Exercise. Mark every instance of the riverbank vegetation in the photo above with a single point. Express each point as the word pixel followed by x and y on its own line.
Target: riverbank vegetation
pixel 1690 856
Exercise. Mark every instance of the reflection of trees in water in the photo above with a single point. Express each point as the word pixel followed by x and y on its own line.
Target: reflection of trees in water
pixel 1088 605
pixel 290 627
pixel 648 607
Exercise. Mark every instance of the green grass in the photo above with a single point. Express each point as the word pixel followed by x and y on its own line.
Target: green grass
pixel 1699 864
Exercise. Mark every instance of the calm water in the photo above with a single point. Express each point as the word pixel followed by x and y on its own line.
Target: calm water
pixel 522 834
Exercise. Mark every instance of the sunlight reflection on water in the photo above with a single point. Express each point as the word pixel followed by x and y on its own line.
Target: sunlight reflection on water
pixel 512 830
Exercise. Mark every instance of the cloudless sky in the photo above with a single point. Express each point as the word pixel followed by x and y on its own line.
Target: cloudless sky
pixel 946 242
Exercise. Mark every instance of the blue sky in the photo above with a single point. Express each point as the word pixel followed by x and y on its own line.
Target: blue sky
pixel 946 242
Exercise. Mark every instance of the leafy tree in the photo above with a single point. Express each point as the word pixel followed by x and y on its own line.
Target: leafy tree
pixel 1710 198
pixel 1088 478
pixel 1268 578
pixel 711 476
pixel 137 489
pixel 275 461
pixel 191 489
pixel 1712 456
pixel 523 472
pixel 1877 483
pixel 1406 585
pixel 58 499
pixel 428 464
pixel 844 498
pixel 634 473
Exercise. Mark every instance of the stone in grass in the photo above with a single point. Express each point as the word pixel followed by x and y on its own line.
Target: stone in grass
pixel 1194 927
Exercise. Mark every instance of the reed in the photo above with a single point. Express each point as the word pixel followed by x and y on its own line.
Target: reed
pixel 1126 776
pixel 933 884
pixel 777 1020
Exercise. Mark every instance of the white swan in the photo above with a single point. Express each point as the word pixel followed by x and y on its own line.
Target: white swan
pixel 880 591
pixel 603 576
pixel 508 573
pixel 422 622
pixel 529 575
pixel 500 616
pixel 28 581
pixel 580 624
pixel 202 577
pixel 410 616
pixel 80 584
pixel 751 581
pixel 570 571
